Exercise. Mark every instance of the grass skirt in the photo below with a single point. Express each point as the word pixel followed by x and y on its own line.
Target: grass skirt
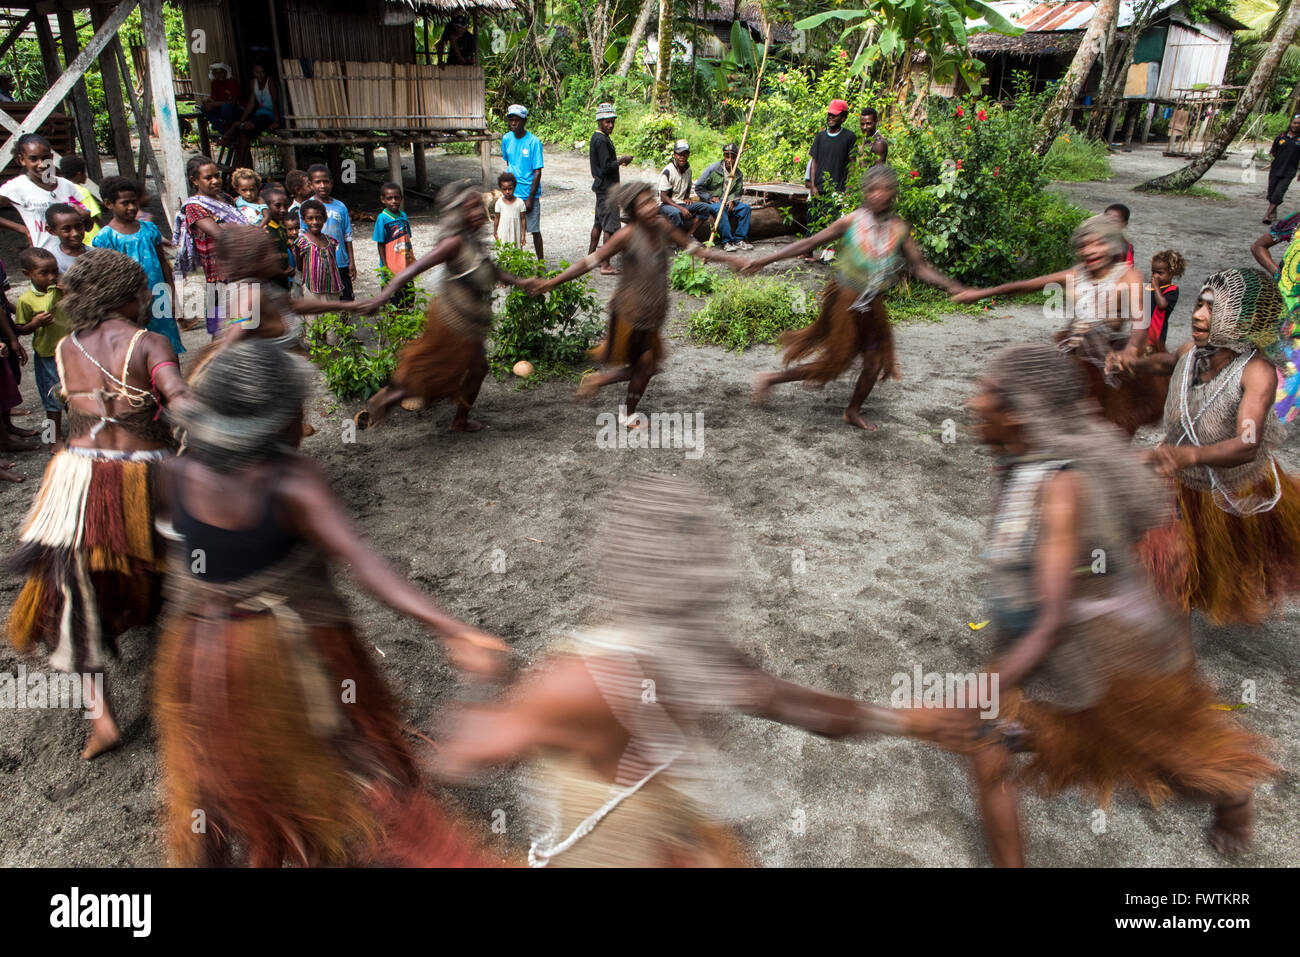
pixel 624 344
pixel 1233 568
pixel 840 335
pixel 435 366
pixel 274 722
pixel 1153 734
pixel 90 555
pixel 1138 400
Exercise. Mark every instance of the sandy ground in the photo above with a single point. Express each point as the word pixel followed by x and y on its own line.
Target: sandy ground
pixel 889 525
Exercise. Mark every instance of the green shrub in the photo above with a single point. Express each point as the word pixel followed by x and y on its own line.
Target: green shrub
pixel 975 191
pixel 691 277
pixel 1076 159
pixel 355 369
pixel 553 332
pixel 747 311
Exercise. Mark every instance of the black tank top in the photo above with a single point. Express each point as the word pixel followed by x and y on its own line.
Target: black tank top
pixel 225 555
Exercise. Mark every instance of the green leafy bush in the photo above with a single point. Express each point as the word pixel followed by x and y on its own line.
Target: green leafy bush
pixel 353 367
pixel 1075 159
pixel 747 311
pixel 553 332
pixel 975 191
pixel 691 277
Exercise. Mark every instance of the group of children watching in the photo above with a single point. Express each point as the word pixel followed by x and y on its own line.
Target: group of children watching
pixel 63 214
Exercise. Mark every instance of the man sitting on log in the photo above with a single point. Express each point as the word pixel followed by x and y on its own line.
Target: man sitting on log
pixel 710 186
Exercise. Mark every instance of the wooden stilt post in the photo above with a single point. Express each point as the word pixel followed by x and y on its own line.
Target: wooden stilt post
pixel 485 158
pixel 171 191
pixel 368 154
pixel 113 96
pixel 49 54
pixel 421 170
pixel 334 160
pixel 394 151
pixel 80 98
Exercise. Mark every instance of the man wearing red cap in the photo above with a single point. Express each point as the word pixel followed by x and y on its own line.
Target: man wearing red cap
pixel 832 150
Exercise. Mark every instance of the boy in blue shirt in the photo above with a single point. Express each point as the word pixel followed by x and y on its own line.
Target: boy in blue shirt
pixel 392 238
pixel 523 154
pixel 338 226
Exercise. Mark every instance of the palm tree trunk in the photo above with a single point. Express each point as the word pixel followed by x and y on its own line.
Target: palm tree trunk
pixel 637 35
pixel 664 68
pixel 1076 77
pixel 1260 81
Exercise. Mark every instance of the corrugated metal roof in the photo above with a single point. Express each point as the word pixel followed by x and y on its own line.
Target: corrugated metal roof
pixel 1052 17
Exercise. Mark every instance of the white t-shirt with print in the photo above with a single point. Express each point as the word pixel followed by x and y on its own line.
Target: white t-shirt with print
pixel 32 201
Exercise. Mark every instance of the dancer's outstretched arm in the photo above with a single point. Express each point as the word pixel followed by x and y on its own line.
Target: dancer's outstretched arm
pixel 828 235
pixel 925 272
pixel 317 516
pixel 1017 288
pixel 615 244
pixel 440 253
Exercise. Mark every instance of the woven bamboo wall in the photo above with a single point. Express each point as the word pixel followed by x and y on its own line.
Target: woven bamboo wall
pixel 363 95
pixel 346 30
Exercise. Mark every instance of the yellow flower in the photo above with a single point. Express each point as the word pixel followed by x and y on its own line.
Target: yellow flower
pixel 1066 138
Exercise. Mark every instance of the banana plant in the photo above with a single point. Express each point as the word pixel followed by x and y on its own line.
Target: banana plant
pixel 905 27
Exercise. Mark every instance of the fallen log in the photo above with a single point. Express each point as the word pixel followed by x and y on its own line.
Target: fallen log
pixel 766 222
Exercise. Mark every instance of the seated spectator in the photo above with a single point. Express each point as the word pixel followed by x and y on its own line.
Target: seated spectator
pixel 709 188
pixel 221 106
pixel 675 188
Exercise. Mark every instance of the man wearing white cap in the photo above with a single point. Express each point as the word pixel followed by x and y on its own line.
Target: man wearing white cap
pixel 675 188
pixel 222 105
pixel 604 174
pixel 523 154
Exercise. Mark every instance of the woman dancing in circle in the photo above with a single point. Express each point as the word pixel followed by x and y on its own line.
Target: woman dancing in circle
pixel 1234 551
pixel 633 347
pixel 272 718
pixel 1096 676
pixel 89 551
pixel 1103 303
pixel 876 249
pixel 449 361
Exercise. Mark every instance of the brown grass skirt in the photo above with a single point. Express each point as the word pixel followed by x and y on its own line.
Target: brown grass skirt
pixel 840 335
pixel 1232 568
pixel 253 733
pixel 91 559
pixel 624 344
pixel 435 365
pixel 1156 735
pixel 1138 400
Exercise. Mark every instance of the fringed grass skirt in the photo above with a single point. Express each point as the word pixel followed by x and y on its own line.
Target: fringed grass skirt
pixel 1153 734
pixel 624 344
pixel 89 553
pixel 840 335
pixel 280 735
pixel 1136 401
pixel 435 366
pixel 1233 568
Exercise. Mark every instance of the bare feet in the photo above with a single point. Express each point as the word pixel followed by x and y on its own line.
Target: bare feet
pixel 854 417
pixel 589 385
pixel 19 431
pixel 610 271
pixel 20 412
pixel 7 473
pixel 101 742
pixel 1233 827
pixel 762 386
pixel 9 444
pixel 465 425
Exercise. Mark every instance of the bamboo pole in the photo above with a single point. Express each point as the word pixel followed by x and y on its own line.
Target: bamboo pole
pixel 749 118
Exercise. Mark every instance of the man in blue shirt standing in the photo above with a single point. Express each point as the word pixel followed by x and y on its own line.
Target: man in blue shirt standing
pixel 523 154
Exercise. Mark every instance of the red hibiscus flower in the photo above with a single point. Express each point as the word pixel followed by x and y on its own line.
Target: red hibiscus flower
pixel 959 164
pixel 960 112
pixel 981 116
pixel 915 173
